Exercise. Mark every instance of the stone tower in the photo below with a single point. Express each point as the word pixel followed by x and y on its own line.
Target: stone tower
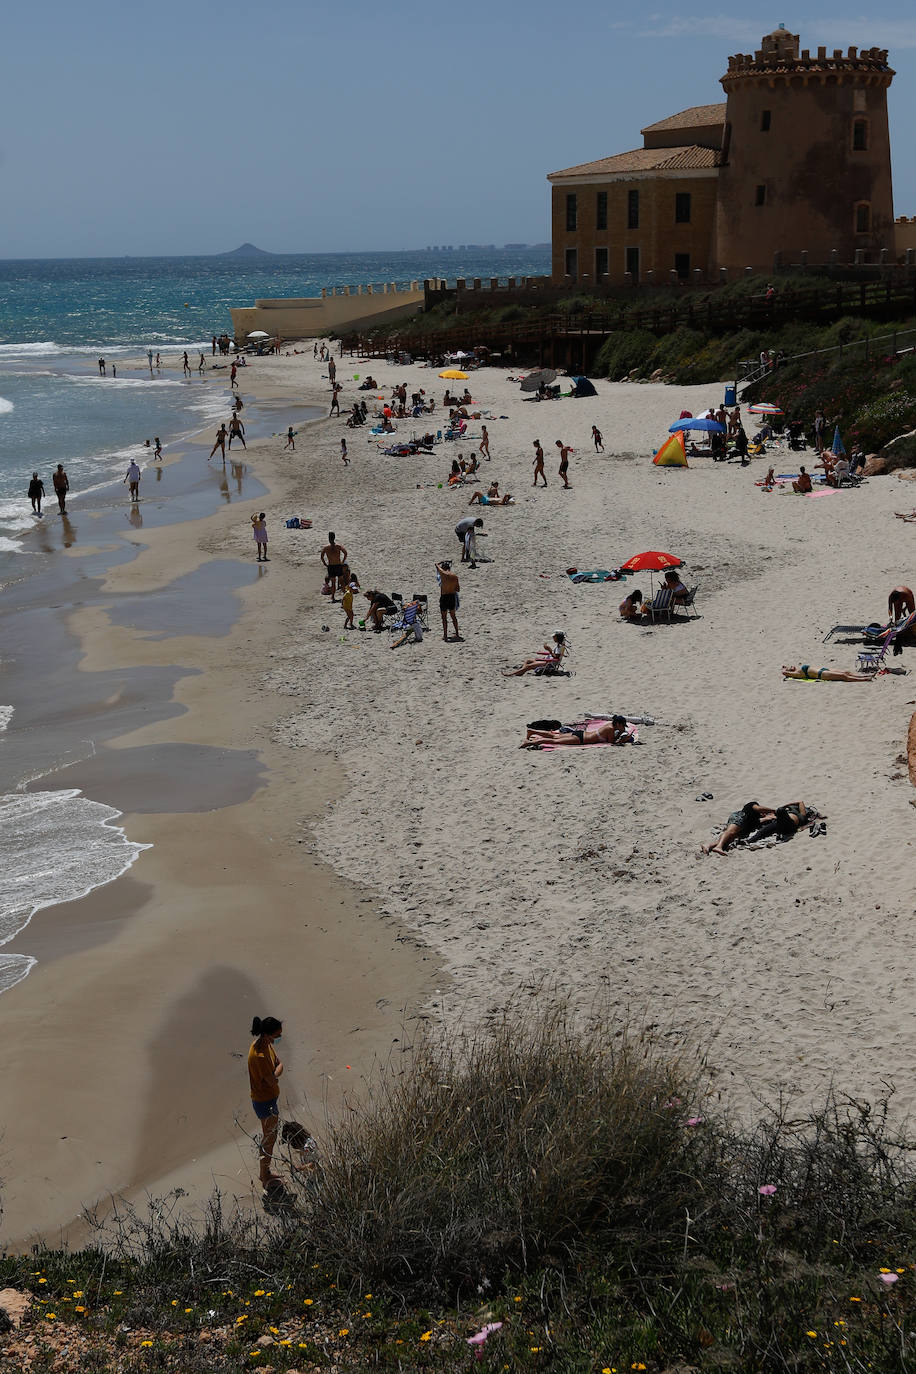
pixel 806 162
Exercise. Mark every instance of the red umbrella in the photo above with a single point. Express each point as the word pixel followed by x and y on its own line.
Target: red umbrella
pixel 652 561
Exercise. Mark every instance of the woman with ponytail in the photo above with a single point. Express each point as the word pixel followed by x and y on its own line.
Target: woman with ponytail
pixel 264 1070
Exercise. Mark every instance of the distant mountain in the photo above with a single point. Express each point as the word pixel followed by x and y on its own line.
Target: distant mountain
pixel 247 250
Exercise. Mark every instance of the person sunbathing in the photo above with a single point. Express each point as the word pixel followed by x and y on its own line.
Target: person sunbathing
pixel 787 821
pixel 613 731
pixel 632 607
pixel 739 825
pixel 491 497
pixel 802 484
pixel 808 674
pixel 547 661
pixel 769 481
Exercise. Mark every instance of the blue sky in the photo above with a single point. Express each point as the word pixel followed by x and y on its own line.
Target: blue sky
pixel 187 127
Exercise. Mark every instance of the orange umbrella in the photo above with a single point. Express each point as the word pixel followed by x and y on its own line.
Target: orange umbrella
pixel 651 561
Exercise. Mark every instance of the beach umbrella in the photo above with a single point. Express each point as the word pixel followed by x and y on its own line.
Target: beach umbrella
pixel 543 377
pixel 652 561
pixel 764 408
pixel 837 446
pixel 712 426
pixel 453 375
pixel 258 334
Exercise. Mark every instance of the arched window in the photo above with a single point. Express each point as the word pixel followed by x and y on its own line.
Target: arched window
pixel 860 135
pixel 863 217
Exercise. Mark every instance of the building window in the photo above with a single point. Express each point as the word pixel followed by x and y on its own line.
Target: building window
pixel 601 210
pixel 863 218
pixel 572 262
pixel 632 209
pixel 600 264
pixel 682 207
pixel 632 262
pixel 760 195
pixel 765 122
pixel 682 265
pixel 860 136
pixel 572 212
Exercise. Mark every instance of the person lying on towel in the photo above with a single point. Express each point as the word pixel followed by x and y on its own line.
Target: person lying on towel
pixel 613 731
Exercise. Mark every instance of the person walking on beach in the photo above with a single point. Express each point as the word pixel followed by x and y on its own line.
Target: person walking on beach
pixel 291 438
pixel 236 430
pixel 114 369
pixel 598 439
pixel 61 487
pixel 157 452
pixel 264 1072
pixel 200 365
pixel 449 587
pixel 538 463
pixel 332 371
pixel 149 359
pixel 221 436
pixel 565 451
pixel 186 366
pixel 344 453
pixel 335 402
pixel 234 377
pixel 334 558
pixel 36 493
pixel 133 478
pixel 259 530
pixel 213 346
pixel 158 362
pixel 101 367
pixel 484 445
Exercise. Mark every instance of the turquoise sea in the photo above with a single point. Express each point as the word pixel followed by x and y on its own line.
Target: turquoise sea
pixel 57 318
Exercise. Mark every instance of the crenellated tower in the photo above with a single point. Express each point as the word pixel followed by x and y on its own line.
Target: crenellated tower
pixel 806 162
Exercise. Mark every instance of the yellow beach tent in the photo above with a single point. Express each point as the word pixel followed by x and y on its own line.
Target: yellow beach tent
pixel 673 452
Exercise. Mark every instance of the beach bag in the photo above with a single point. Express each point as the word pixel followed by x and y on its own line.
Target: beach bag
pixel 293 524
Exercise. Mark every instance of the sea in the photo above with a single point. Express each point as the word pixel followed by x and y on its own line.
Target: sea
pixel 57 319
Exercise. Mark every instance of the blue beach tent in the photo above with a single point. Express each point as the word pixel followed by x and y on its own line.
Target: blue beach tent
pixel 583 387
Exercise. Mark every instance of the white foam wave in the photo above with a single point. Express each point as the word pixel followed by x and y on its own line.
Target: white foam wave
pixel 79 379
pixel 29 350
pixel 58 846
pixel 13 968
pixel 10 545
pixel 6 715
pixel 5 406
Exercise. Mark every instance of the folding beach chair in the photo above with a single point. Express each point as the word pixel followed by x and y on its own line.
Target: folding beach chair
pixel 688 604
pixel 845 632
pixel 409 623
pixel 661 605
pixel 423 613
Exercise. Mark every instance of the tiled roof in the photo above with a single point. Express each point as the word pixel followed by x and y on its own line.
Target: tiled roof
pixel 697 116
pixel 645 160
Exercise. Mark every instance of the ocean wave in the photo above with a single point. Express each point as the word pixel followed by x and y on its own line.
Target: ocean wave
pixel 5 406
pixel 58 846
pixel 6 715
pixel 118 383
pixel 11 545
pixel 13 968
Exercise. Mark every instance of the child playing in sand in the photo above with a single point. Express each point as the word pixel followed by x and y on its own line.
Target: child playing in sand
pixel 259 530
pixel 291 438
pixel 347 602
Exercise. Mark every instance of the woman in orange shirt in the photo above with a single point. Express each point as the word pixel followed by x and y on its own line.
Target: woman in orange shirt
pixel 264 1070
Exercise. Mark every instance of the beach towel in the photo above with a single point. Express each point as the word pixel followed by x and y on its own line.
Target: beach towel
pixel 813 495
pixel 594 575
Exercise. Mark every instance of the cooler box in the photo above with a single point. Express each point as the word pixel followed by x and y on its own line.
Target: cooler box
pixel 730 396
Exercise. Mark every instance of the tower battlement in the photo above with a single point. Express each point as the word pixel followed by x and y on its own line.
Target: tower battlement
pixel 778 60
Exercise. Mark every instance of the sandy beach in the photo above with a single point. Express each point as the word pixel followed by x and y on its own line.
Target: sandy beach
pixel 359 838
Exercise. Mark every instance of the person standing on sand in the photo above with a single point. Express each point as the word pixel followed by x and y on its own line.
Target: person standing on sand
pixel 290 439
pixel 101 367
pixel 213 346
pixel 466 531
pixel 264 1072
pixel 565 451
pixel 449 587
pixel 200 365
pixel 259 531
pixel 236 430
pixel 344 453
pixel 149 359
pixel 186 365
pixel 36 493
pixel 335 401
pixel 61 487
pixel 158 362
pixel 234 377
pixel 221 436
pixel 598 439
pixel 538 463
pixel 484 446
pixel 157 452
pixel 133 478
pixel 334 558
pixel 332 371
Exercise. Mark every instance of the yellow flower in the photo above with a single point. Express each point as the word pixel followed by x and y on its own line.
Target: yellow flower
pixel 810 1333
pixel 901 1271
pixel 174 1302
pixel 77 1292
pixel 427 1336
pixel 637 1366
pixel 51 1316
pixel 369 1295
pixel 274 1329
pixel 259 1292
pixel 188 1309
pixel 534 1349
pixel 516 1299
pixel 79 1309
pixel 242 1318
pixel 884 1271
pixel 286 1342
pixel 308 1301
pixel 855 1299
pixel 42 1280
pixel 146 1342
pixel 119 1292
pixel 344 1331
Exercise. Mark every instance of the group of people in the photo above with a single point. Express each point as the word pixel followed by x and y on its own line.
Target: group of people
pixel 754 822
pixel 634 607
pixel 61 484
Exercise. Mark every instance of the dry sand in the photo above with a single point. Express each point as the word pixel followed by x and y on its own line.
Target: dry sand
pixel 467 868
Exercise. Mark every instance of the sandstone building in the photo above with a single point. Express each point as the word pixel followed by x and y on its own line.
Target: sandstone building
pixel 794 166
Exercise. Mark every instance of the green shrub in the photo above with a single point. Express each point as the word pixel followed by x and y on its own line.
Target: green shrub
pixel 623 352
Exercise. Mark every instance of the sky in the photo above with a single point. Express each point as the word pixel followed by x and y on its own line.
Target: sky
pixel 185 128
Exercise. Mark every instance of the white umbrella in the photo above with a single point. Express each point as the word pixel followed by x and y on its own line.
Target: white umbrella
pixel 258 334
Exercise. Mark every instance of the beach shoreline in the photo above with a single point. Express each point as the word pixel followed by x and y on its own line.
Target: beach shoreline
pixel 471 871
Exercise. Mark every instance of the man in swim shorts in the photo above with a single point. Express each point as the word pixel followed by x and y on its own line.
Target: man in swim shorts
pixel 449 587
pixel 739 825
pixel 900 603
pixel 613 731
pixel 465 530
pixel 334 558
